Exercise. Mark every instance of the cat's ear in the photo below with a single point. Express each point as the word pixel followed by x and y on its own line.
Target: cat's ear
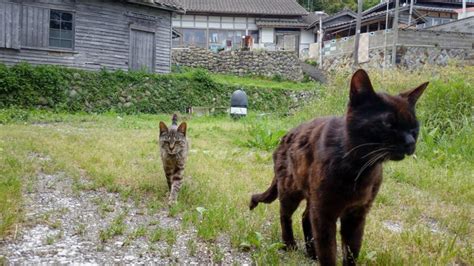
pixel 413 94
pixel 361 88
pixel 182 128
pixel 163 128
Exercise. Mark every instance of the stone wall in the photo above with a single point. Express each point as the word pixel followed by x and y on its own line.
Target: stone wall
pixel 259 62
pixel 415 48
pixel 407 57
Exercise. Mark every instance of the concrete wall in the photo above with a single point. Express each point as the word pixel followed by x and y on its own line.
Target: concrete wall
pixel 260 63
pixel 306 39
pixel 267 35
pixel 101 35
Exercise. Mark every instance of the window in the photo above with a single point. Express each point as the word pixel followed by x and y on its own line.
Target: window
pixel 255 35
pixel 373 27
pixel 194 37
pixel 219 39
pixel 61 29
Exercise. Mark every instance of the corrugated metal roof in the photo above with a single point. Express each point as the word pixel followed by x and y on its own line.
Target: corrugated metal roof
pixel 244 7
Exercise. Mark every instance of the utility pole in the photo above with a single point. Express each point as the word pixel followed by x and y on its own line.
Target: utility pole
pixel 320 36
pixel 464 15
pixel 411 12
pixel 357 36
pixel 385 39
pixel 395 33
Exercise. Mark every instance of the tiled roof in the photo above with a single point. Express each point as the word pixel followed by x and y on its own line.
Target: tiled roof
pixel 446 6
pixel 383 4
pixel 436 9
pixel 172 5
pixel 244 7
pixel 343 12
pixel 376 14
pixel 289 23
pixel 312 19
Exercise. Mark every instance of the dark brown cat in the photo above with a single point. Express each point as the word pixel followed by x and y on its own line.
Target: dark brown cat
pixel 335 164
pixel 174 151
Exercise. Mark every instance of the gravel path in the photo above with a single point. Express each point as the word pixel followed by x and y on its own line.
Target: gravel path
pixel 64 226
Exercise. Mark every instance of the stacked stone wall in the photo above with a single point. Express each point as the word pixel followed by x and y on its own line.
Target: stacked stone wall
pixel 259 62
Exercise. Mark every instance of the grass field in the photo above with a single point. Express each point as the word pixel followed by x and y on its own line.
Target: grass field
pixel 423 214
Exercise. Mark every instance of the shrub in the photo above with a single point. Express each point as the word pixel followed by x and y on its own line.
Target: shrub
pixel 71 90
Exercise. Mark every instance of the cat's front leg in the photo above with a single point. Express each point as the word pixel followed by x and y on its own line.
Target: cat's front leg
pixel 352 230
pixel 308 234
pixel 323 224
pixel 176 181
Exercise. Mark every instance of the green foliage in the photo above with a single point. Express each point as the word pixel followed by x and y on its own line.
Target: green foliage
pixel 331 6
pixel 277 78
pixel 262 136
pixel 70 90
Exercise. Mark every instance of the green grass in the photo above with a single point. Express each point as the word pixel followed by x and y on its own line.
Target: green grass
pixel 263 82
pixel 251 81
pixel 431 195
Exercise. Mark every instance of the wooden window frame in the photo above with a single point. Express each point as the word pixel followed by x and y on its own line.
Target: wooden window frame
pixel 73 30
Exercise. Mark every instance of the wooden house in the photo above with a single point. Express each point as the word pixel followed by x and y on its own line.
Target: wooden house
pixel 88 34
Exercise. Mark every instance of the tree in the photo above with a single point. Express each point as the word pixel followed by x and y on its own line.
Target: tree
pixel 333 6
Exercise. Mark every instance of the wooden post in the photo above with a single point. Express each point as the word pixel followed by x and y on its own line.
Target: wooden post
pixel 357 36
pixel 395 33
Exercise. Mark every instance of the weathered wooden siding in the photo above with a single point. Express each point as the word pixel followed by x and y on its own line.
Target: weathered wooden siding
pixel 102 34
pixel 9 25
pixel 35 26
pixel 142 49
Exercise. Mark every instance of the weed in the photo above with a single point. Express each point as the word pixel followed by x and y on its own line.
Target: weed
pixel 117 227
pixel 217 254
pixel 160 234
pixel 192 247
pixel 80 229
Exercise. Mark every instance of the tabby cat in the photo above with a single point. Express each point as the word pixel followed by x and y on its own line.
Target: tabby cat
pixel 174 151
pixel 335 164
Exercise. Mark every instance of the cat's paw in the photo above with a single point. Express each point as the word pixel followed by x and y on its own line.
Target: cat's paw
pixel 172 201
pixel 253 204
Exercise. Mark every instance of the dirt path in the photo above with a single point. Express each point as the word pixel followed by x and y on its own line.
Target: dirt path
pixel 65 226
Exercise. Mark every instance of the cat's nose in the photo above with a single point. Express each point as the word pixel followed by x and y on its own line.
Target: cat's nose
pixel 409 144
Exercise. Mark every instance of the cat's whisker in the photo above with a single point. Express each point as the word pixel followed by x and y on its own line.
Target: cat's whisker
pixel 376 151
pixel 360 146
pixel 369 163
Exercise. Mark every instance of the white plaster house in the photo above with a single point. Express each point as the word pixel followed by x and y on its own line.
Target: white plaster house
pixel 222 24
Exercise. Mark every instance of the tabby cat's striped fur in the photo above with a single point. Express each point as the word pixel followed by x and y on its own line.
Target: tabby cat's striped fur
pixel 174 151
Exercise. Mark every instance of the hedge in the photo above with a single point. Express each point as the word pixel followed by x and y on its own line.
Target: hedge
pixel 72 90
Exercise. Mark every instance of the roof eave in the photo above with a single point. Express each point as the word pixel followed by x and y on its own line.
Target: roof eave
pixel 178 10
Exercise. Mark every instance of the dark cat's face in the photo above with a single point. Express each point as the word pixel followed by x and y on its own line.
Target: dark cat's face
pixel 387 121
pixel 173 139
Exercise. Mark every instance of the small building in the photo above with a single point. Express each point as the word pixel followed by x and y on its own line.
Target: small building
pixel 424 14
pixel 222 24
pixel 88 34
pixel 434 12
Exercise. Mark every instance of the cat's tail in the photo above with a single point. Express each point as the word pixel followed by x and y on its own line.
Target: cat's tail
pixel 174 120
pixel 266 197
